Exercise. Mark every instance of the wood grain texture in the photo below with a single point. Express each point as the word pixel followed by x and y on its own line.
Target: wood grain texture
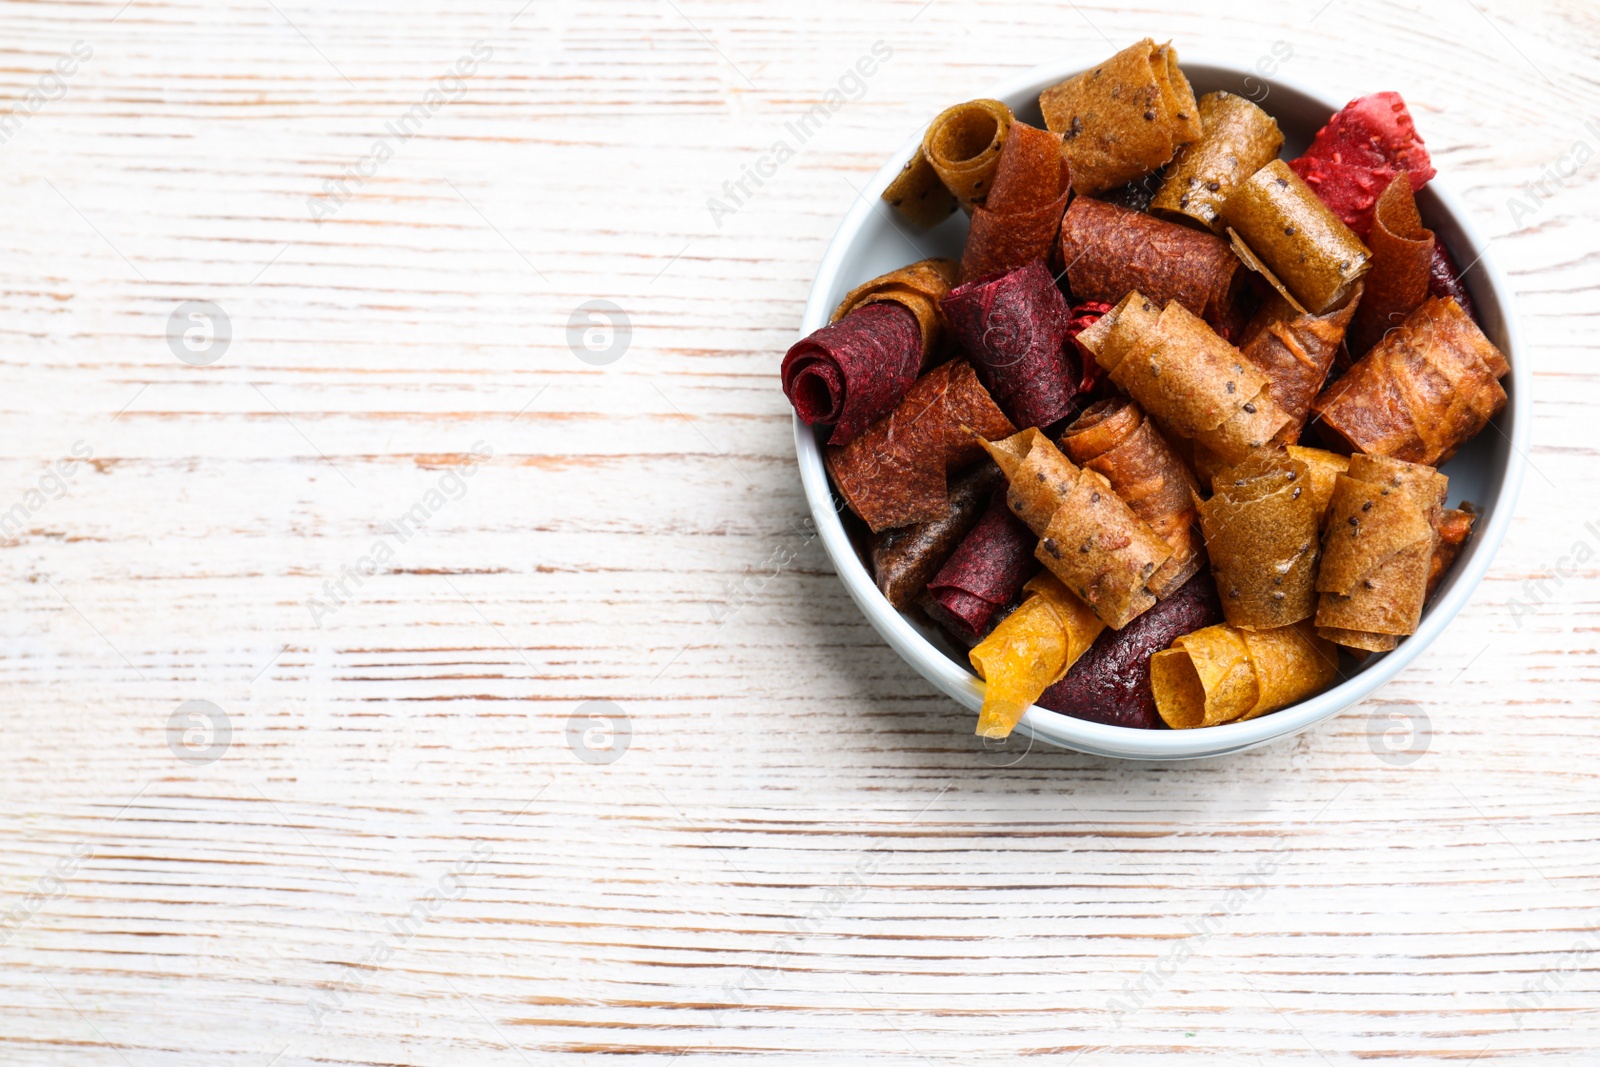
pixel 802 853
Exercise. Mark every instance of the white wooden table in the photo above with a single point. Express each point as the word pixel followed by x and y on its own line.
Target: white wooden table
pixel 392 834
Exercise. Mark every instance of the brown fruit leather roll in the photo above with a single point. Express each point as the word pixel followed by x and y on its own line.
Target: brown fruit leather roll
pixel 1453 527
pixel 1124 118
pixel 1114 439
pixel 1422 392
pixel 1018 221
pixel 904 558
pixel 1237 139
pixel 1110 252
pixel 1089 538
pixel 1378 551
pixel 1295 351
pixel 1262 525
pixel 919 195
pixel 1325 469
pixel 918 288
pixel 1184 376
pixel 963 146
pixel 1402 258
pixel 895 473
pixel 1014 327
pixel 985 574
pixel 1307 250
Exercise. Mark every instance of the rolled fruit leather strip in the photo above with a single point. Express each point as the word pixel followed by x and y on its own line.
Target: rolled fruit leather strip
pixel 1429 386
pixel 918 287
pixel 1110 252
pixel 853 372
pixel 904 558
pixel 1444 279
pixel 1032 648
pixel 963 145
pixel 1114 439
pixel 1018 221
pixel 1237 139
pixel 1124 118
pixel 1402 259
pixel 1111 683
pixel 918 193
pixel 1224 674
pixel 1278 221
pixel 895 473
pixel 1452 529
pixel 1354 157
pixel 1262 526
pixel 1089 538
pixel 1184 376
pixel 984 575
pixel 1377 552
pixel 1295 351
pixel 1014 327
pixel 1325 468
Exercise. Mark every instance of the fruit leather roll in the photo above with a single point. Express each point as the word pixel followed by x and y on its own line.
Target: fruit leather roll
pixel 918 288
pixel 1032 648
pixel 1444 279
pixel 1014 327
pixel 1184 376
pixel 852 373
pixel 963 146
pixel 1325 468
pixel 904 558
pixel 1281 229
pixel 1295 351
pixel 1111 683
pixel 1451 530
pixel 1236 140
pixel 1423 391
pixel 1110 252
pixel 896 473
pixel 1402 261
pixel 1377 552
pixel 1114 439
pixel 1357 154
pixel 1225 674
pixel 1262 525
pixel 1017 222
pixel 1124 118
pixel 985 574
pixel 919 194
pixel 1089 538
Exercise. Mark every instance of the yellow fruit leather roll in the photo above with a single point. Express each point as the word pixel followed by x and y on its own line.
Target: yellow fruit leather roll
pixel 1224 674
pixel 1029 651
pixel 918 288
pixel 1124 118
pixel 1262 526
pixel 1089 538
pixel 1237 139
pixel 1278 222
pixel 1187 378
pixel 920 195
pixel 1377 551
pixel 963 146
pixel 1325 469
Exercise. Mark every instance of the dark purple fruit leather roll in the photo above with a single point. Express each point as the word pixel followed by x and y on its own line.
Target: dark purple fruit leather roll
pixel 852 373
pixel 985 574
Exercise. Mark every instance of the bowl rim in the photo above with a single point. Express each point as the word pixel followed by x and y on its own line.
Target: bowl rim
pixel 1124 742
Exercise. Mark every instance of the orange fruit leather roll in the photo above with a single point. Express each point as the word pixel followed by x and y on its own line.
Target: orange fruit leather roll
pixel 1114 439
pixel 1237 139
pixel 1377 552
pixel 1089 538
pixel 1017 223
pixel 1029 651
pixel 1295 351
pixel 918 288
pixel 1110 251
pixel 1423 391
pixel 896 473
pixel 1402 261
pixel 1184 376
pixel 1325 468
pixel 1262 525
pixel 1124 118
pixel 1224 674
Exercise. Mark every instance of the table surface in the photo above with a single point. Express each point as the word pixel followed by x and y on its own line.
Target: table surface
pixel 313 584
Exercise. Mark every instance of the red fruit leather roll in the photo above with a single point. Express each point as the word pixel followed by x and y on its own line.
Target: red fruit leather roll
pixel 1084 316
pixel 1110 251
pixel 985 574
pixel 896 472
pixel 1014 327
pixel 1357 154
pixel 1111 682
pixel 1019 219
pixel 1402 257
pixel 854 372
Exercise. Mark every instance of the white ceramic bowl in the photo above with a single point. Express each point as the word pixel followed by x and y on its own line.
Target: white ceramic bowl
pixel 872 240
